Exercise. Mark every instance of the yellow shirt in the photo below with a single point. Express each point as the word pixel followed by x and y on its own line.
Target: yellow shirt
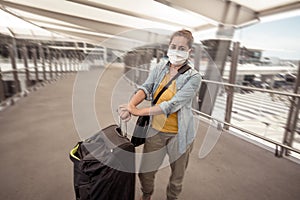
pixel 162 122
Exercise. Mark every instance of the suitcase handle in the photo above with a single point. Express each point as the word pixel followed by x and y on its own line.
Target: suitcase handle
pixel 120 125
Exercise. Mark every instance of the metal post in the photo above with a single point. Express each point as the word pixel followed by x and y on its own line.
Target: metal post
pixel 12 54
pixel 138 65
pixel 35 65
pixel 70 62
pixel 50 63
pixel 197 56
pixel 141 64
pixel 81 59
pixel 55 63
pixel 2 92
pixel 66 61
pixel 292 118
pixel 60 62
pixel 294 123
pixel 73 62
pixel 42 56
pixel 157 55
pixel 214 72
pixel 62 66
pixel 76 63
pixel 25 57
pixel 104 55
pixel 207 98
pixel 232 76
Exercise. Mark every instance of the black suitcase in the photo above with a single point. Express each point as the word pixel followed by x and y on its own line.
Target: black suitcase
pixel 104 166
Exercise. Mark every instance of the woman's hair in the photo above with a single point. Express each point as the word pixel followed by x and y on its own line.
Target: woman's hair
pixel 184 33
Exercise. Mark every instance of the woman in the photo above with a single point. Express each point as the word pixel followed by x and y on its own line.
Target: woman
pixel 172 128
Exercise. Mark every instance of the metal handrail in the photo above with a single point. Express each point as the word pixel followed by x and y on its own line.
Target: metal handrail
pixel 22 69
pixel 234 85
pixel 18 69
pixel 253 88
pixel 143 70
pixel 237 127
pixel 247 131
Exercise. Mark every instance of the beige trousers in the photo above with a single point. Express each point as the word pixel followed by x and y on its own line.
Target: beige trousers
pixel 155 149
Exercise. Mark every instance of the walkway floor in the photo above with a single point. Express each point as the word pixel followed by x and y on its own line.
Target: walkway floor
pixel 38 132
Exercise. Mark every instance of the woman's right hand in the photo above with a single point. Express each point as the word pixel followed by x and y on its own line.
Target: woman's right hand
pixel 124 113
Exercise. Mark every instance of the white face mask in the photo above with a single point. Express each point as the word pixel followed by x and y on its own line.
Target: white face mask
pixel 177 57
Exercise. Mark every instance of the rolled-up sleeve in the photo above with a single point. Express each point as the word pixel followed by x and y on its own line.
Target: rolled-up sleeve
pixel 147 91
pixel 183 96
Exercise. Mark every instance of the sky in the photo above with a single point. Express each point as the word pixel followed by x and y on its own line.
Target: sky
pixel 280 38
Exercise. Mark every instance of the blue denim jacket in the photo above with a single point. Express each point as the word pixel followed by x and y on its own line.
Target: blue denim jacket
pixel 187 85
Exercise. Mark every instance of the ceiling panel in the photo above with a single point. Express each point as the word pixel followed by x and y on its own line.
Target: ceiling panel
pixel 259 5
pixel 138 21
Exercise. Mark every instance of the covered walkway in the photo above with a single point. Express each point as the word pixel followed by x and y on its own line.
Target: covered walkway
pixel 38 132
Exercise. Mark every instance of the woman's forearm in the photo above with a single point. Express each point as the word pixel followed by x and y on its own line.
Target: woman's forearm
pixel 153 110
pixel 137 98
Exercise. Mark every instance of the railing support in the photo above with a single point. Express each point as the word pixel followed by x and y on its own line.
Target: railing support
pixel 71 64
pixel 232 76
pixel 50 63
pixel 61 63
pixel 291 123
pixel 12 55
pixel 2 92
pixel 56 63
pixel 42 57
pixel 35 65
pixel 25 58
